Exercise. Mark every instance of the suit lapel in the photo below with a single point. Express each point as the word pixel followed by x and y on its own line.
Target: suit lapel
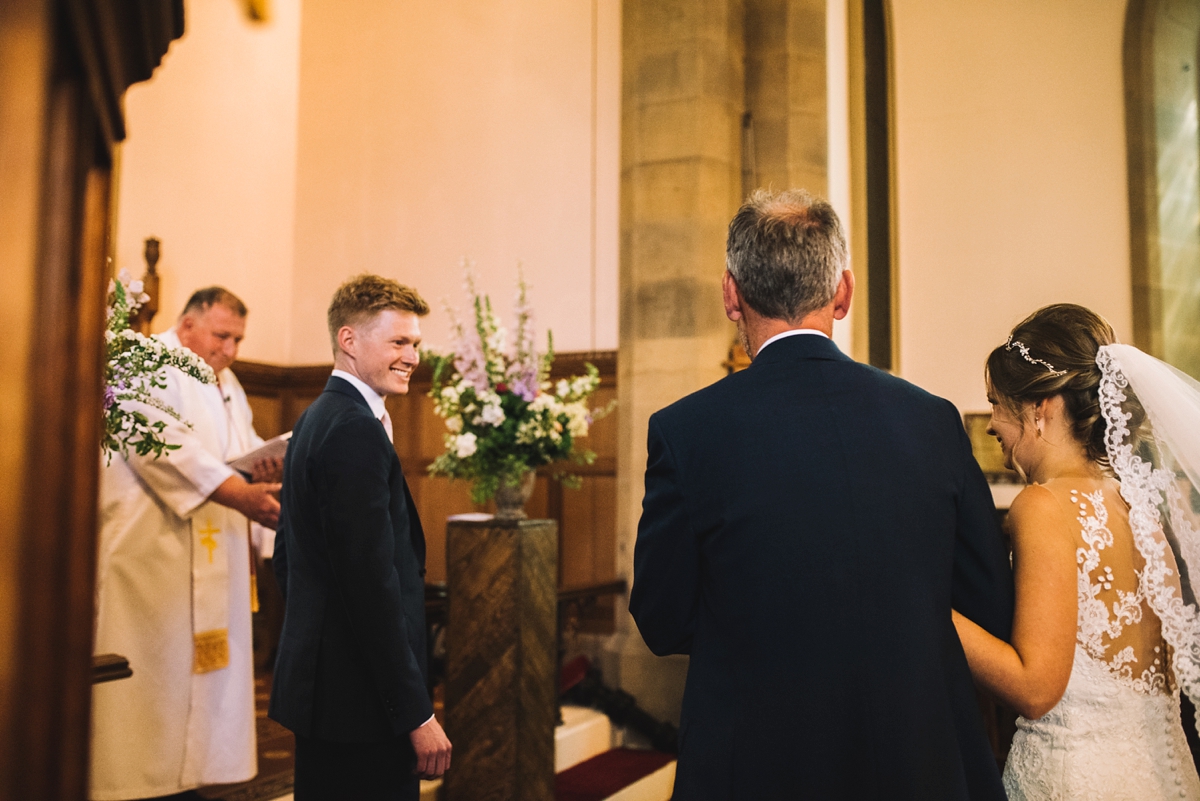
pixel 416 533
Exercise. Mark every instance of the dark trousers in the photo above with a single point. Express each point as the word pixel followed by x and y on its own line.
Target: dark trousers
pixel 374 771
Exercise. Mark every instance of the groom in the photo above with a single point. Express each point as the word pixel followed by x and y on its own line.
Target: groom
pixel 350 679
pixel 807 526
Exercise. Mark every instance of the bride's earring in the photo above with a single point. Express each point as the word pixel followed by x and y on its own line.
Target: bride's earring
pixel 1037 423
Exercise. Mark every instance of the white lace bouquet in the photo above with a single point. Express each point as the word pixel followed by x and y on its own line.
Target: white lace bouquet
pixel 503 414
pixel 134 366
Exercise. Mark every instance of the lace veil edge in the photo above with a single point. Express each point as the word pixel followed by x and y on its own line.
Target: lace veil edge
pixel 1152 441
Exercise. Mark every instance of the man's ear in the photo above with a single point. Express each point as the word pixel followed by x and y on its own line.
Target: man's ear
pixel 843 295
pixel 732 297
pixel 347 338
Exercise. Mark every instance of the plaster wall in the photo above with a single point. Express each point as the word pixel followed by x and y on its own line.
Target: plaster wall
pixel 479 129
pixel 280 158
pixel 1010 176
pixel 209 167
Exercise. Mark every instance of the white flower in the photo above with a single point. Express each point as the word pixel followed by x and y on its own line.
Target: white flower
pixel 492 414
pixel 563 388
pixel 464 445
pixel 497 341
pixel 545 402
pixel 454 423
pixel 577 419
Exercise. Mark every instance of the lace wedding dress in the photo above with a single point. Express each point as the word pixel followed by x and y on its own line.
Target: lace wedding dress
pixel 1116 734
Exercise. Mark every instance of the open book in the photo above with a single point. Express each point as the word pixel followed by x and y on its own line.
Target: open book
pixel 274 447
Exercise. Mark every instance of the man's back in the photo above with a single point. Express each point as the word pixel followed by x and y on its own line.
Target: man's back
pixel 807 524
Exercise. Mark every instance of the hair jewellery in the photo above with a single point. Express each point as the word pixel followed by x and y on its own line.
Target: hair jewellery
pixel 1024 349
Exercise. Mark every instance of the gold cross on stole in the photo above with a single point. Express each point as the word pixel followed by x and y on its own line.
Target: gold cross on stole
pixel 207 540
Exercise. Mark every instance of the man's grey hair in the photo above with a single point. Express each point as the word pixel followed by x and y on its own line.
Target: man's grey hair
pixel 204 299
pixel 786 252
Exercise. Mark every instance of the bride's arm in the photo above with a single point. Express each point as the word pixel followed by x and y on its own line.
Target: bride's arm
pixel 1031 674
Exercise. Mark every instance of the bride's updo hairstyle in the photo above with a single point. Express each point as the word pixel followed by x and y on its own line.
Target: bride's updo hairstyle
pixel 1053 352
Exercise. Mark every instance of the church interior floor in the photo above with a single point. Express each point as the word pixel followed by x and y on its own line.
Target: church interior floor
pixel 587 769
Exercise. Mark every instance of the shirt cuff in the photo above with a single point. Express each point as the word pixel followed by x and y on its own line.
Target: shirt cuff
pixel 426 723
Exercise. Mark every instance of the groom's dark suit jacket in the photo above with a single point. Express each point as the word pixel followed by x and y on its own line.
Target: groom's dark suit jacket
pixel 350 558
pixel 807 526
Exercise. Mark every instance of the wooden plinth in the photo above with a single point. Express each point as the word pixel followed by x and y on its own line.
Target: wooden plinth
pixel 501 626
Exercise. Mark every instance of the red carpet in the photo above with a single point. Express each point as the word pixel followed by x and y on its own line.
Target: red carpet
pixel 603 775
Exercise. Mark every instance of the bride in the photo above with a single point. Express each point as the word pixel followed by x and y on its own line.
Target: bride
pixel 1105 631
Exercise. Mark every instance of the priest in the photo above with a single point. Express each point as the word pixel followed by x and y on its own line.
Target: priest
pixel 173 590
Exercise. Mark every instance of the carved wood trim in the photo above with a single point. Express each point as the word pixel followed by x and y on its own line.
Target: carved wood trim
pixel 120 42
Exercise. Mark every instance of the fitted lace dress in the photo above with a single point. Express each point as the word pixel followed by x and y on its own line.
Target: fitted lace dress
pixel 1116 734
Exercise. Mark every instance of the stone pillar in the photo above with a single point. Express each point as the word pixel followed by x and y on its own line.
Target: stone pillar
pixel 786 94
pixel 682 105
pixel 501 657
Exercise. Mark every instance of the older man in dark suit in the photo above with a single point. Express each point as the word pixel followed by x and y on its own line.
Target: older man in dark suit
pixel 807 526
pixel 350 679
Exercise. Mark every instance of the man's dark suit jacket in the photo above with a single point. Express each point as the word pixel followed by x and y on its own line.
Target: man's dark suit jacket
pixel 807 526
pixel 350 557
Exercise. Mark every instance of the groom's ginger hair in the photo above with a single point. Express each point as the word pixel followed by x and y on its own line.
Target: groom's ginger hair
pixel 365 296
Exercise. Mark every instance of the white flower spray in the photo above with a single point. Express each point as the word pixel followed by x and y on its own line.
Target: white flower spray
pixel 503 415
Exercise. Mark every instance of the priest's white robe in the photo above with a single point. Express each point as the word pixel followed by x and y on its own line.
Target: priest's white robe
pixel 167 728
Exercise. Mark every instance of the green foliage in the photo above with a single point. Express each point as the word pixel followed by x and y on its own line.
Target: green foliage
pixel 135 366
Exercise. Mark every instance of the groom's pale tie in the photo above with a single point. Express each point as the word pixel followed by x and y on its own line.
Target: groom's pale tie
pixel 387 426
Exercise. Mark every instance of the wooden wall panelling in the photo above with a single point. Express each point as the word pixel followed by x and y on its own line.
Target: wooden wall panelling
pixel 279 395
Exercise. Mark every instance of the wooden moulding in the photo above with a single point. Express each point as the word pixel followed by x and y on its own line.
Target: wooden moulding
pixel 501 658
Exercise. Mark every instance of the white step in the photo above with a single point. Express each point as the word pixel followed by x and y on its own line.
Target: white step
pixel 583 734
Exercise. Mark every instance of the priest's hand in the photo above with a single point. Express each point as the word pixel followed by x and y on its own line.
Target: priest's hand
pixel 267 471
pixel 256 501
pixel 433 750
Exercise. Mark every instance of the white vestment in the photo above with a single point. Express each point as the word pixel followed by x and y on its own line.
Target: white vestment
pixel 169 728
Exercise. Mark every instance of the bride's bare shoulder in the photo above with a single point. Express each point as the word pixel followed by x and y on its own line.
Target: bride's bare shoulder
pixel 1037 511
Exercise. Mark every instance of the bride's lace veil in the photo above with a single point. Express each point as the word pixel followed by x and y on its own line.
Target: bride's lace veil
pixel 1152 440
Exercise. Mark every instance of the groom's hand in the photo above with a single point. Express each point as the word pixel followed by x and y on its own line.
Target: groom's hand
pixel 433 750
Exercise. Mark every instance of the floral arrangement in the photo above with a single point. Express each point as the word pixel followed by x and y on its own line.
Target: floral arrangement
pixel 504 416
pixel 134 366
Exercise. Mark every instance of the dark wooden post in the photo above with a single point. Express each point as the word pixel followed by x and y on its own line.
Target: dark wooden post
pixel 141 321
pixel 500 658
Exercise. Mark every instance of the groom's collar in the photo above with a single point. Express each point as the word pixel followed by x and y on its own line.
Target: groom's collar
pixel 370 396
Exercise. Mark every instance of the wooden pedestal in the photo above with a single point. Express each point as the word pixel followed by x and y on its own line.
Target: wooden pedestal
pixel 501 627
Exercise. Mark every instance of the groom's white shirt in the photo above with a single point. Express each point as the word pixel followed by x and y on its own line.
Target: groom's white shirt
pixel 784 335
pixel 373 398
